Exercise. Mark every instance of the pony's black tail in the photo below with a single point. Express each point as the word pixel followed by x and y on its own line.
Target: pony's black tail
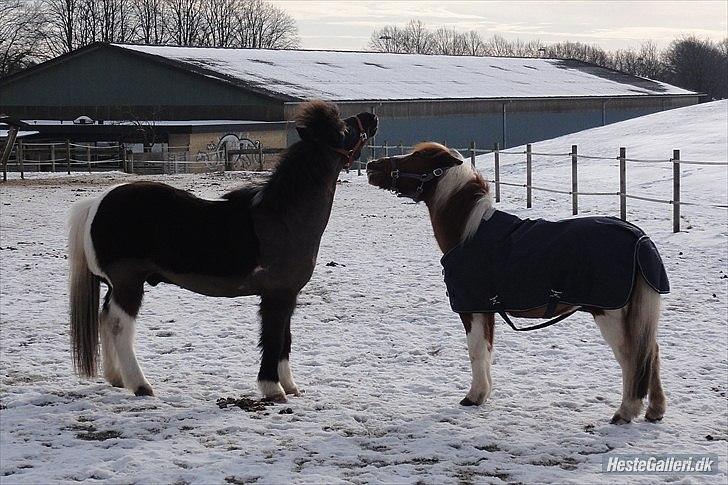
pixel 84 295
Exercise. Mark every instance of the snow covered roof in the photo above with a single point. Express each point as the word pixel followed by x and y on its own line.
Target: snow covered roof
pixel 21 134
pixel 174 123
pixel 295 75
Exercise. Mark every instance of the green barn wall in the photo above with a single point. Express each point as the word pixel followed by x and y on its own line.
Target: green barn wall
pixel 108 83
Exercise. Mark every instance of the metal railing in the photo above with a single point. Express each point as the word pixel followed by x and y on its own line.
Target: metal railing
pixel 573 156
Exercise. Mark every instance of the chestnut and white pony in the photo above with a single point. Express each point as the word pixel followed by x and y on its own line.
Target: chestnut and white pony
pixel 458 198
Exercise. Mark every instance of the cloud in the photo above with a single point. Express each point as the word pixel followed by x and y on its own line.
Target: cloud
pixel 616 24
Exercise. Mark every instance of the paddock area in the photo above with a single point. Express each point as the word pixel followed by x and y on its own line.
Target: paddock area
pixel 382 360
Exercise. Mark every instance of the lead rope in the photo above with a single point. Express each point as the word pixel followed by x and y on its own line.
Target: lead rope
pixel 553 321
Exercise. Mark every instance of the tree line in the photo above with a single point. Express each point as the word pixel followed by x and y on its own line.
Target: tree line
pixel 691 63
pixel 35 30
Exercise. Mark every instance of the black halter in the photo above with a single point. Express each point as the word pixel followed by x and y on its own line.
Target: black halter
pixel 423 178
pixel 349 154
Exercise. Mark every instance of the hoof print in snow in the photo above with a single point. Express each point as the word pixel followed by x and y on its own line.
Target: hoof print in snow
pixel 334 264
pixel 286 411
pixel 244 403
pixel 98 435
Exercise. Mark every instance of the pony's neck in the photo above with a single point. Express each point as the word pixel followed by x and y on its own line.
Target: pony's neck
pixel 457 205
pixel 305 175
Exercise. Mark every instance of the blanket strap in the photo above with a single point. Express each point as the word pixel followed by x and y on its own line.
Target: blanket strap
pixel 553 321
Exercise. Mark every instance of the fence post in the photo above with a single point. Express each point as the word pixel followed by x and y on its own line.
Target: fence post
pixel 122 156
pixel 53 157
pixel 622 183
pixel 401 148
pixel 68 156
pixel 528 176
pixel 676 191
pixel 574 182
pixel 20 155
pixel 260 155
pixel 386 148
pixel 496 161
pixel 88 157
pixel 7 149
pixel 472 153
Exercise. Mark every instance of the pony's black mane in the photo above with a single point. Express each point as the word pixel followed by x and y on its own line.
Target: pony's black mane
pixel 305 164
pixel 301 167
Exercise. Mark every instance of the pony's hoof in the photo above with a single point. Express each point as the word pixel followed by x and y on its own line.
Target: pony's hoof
pixel 277 398
pixel 467 402
pixel 618 420
pixel 653 417
pixel 115 382
pixel 294 391
pixel 144 391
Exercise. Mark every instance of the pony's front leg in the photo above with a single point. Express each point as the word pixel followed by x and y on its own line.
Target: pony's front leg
pixel 276 309
pixel 284 367
pixel 479 329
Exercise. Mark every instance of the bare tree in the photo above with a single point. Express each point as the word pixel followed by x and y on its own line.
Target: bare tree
pixel 219 22
pixel 388 39
pixel 414 38
pixel 498 46
pixel 21 35
pixel 150 21
pixel 474 45
pixel 418 38
pixel 184 20
pixel 698 65
pixel 61 16
pixel 578 51
pixel 261 25
pixel 448 42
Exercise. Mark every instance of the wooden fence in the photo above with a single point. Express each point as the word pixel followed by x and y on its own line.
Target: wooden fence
pixel 62 156
pixel 574 156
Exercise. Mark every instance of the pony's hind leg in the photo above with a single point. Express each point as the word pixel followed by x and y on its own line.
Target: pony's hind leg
pixel 657 401
pixel 276 309
pixel 479 329
pixel 644 316
pixel 110 358
pixel 632 334
pixel 612 325
pixel 123 308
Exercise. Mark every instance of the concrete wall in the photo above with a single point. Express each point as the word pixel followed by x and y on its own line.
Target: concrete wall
pixel 201 142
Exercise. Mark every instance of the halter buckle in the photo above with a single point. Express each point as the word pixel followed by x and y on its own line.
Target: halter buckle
pixel 394 174
pixel 438 172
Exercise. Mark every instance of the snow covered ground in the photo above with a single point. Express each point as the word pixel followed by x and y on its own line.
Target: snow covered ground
pixel 381 357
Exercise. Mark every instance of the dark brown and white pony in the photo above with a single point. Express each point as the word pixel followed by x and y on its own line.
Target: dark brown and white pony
pixel 458 198
pixel 253 241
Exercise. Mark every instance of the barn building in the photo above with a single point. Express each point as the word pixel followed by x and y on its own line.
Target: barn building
pixel 445 98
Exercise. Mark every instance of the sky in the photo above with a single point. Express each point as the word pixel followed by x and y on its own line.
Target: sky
pixel 347 25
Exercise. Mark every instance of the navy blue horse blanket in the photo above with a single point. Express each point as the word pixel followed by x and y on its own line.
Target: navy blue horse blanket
pixel 513 264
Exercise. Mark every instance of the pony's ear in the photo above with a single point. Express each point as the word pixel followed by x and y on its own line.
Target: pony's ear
pixel 304 132
pixel 452 158
pixel 442 155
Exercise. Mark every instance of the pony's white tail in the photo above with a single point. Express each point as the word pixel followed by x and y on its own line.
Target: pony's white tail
pixel 84 294
pixel 642 319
